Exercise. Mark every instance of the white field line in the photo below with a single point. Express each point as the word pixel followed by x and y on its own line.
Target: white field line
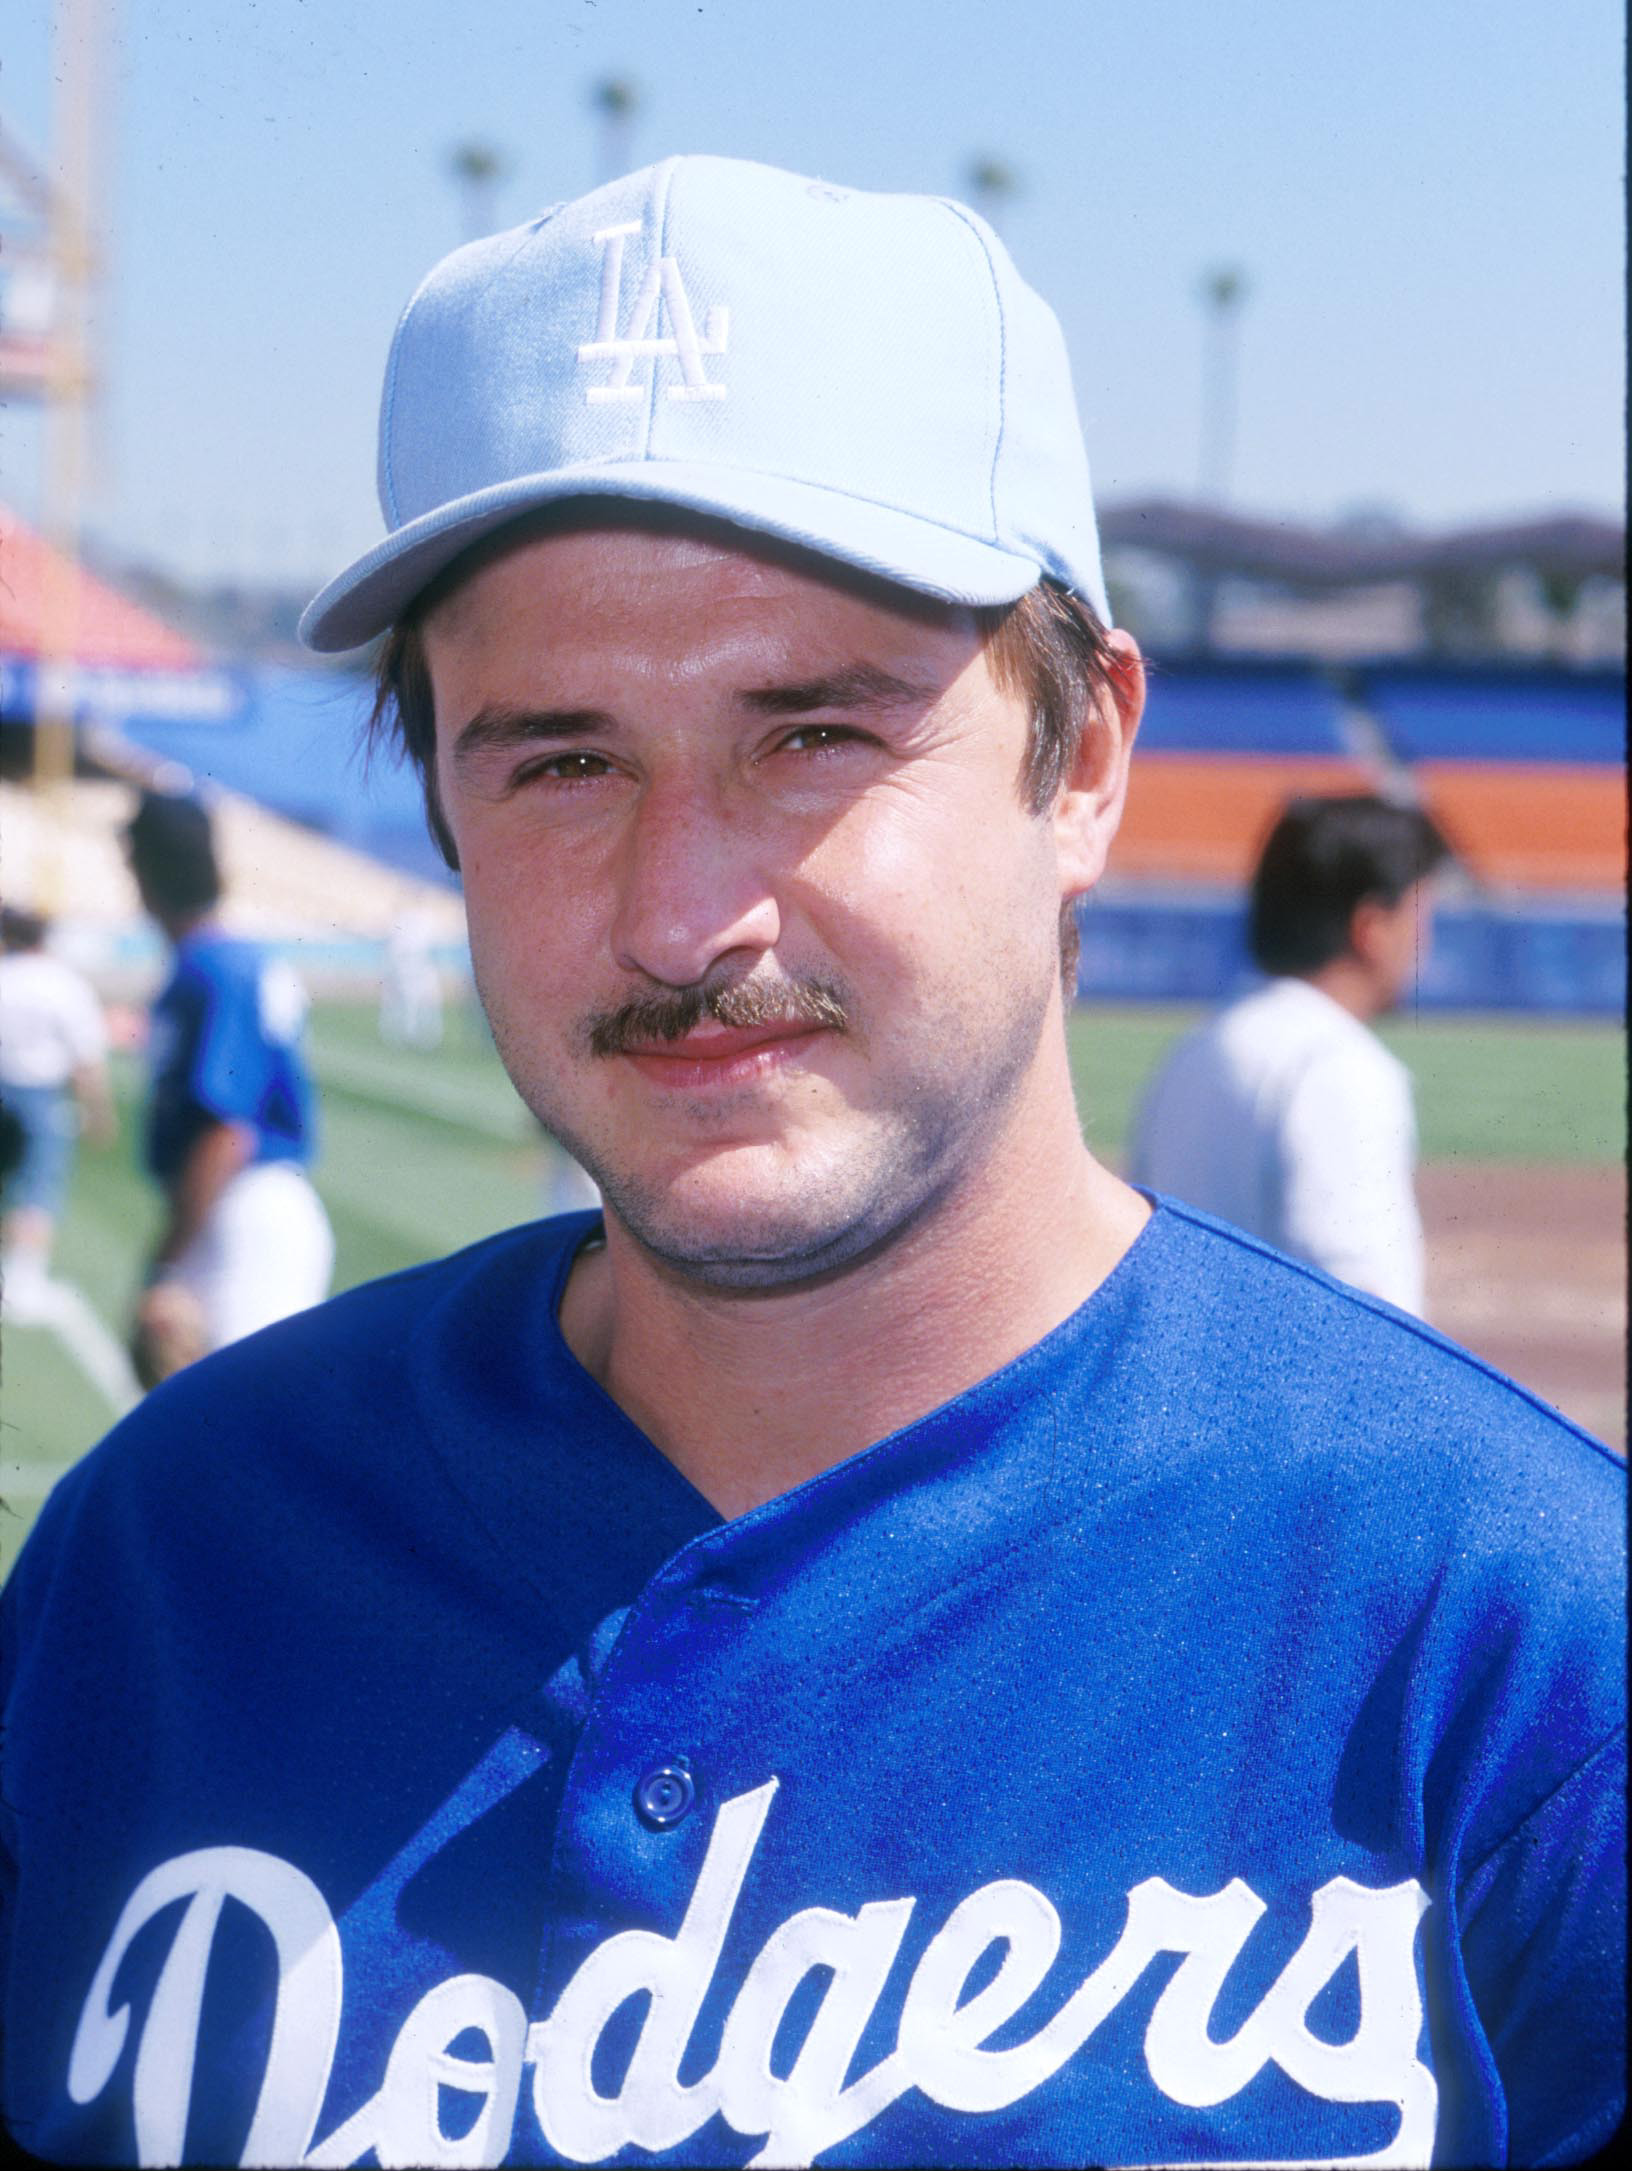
pixel 388 1080
pixel 63 1311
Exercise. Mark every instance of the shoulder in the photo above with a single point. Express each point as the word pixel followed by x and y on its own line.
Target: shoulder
pixel 1390 1506
pixel 1338 1386
pixel 1279 1022
pixel 319 1414
pixel 226 962
pixel 1331 1059
pixel 39 978
pixel 1356 1047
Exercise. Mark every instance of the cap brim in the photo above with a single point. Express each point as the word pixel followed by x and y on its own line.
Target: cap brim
pixel 896 546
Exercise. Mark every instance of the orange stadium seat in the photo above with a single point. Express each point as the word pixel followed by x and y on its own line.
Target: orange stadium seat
pixel 107 627
pixel 1203 817
pixel 1531 825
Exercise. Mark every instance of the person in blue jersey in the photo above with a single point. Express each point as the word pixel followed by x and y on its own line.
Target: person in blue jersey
pixel 244 1240
pixel 881 1644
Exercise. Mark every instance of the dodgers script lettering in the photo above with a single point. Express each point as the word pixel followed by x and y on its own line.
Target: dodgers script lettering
pixel 941 2038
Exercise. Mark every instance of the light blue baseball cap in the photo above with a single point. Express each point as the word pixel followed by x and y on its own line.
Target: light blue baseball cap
pixel 862 374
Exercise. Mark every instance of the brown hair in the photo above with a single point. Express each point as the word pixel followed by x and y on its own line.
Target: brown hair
pixel 1049 647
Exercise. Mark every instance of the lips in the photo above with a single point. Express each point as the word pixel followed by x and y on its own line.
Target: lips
pixel 716 1055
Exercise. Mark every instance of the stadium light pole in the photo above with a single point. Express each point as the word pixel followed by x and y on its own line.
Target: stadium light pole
pixel 80 29
pixel 1222 293
pixel 477 168
pixel 615 101
pixel 993 185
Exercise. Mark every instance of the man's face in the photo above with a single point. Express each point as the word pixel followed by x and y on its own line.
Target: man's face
pixel 764 931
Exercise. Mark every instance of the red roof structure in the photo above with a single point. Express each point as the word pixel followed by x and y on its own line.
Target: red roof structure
pixel 109 629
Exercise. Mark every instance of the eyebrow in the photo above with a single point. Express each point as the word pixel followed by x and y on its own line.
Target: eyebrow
pixel 857 686
pixel 502 727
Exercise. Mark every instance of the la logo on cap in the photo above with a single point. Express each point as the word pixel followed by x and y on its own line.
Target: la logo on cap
pixel 662 282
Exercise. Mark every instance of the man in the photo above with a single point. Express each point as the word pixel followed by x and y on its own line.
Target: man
pixel 245 1240
pixel 1284 1114
pixel 879 1647
pixel 411 984
pixel 54 1079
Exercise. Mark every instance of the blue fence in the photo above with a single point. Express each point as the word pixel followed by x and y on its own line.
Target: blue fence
pixel 1499 715
pixel 1250 708
pixel 1564 962
pixel 293 742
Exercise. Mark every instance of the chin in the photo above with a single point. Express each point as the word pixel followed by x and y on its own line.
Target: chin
pixel 731 1226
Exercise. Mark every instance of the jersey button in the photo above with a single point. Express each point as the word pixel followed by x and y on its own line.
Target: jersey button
pixel 664 1796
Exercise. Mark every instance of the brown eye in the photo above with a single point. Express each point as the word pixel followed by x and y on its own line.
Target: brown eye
pixel 567 768
pixel 818 738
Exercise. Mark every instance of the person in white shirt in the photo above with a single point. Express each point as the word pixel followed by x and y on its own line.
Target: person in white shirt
pixel 53 1079
pixel 411 985
pixel 1284 1114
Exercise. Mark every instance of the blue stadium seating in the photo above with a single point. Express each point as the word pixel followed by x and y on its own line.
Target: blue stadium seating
pixel 1175 949
pixel 1241 709
pixel 295 746
pixel 1499 714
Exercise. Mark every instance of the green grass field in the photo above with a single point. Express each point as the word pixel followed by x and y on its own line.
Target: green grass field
pixel 425 1152
pixel 1488 1088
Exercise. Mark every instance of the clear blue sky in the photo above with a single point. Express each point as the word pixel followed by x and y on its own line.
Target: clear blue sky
pixel 1425 195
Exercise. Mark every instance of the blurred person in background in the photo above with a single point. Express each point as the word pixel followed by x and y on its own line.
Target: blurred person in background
pixel 1285 1115
pixel 54 1080
pixel 13 1145
pixel 245 1240
pixel 411 985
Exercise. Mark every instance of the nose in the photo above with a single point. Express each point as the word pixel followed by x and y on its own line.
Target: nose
pixel 691 888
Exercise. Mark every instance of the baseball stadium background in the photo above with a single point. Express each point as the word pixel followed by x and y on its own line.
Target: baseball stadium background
pixel 1473 664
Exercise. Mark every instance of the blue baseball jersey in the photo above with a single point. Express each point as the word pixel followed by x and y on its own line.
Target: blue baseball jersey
pixel 1200 1741
pixel 225 1047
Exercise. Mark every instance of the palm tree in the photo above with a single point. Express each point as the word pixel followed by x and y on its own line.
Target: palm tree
pixel 1223 290
pixel 616 100
pixel 992 184
pixel 477 168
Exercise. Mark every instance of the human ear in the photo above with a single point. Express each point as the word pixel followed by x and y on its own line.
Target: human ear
pixel 1088 810
pixel 1372 925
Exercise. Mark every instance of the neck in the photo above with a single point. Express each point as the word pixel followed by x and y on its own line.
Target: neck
pixel 750 1396
pixel 1351 985
pixel 177 926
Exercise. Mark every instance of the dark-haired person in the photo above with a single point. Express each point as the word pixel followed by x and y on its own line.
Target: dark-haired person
pixel 245 1240
pixel 54 1079
pixel 881 1645
pixel 1285 1115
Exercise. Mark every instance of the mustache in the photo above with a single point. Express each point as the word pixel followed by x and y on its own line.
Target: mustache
pixel 671 1013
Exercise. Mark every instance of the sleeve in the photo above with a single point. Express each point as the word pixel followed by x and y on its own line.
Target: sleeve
pixel 227 1064
pixel 9 1630
pixel 1348 1147
pixel 1544 1952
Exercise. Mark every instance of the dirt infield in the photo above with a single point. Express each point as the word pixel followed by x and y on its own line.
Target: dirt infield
pixel 1527 1267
